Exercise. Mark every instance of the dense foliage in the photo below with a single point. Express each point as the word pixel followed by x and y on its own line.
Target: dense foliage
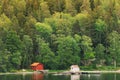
pixel 59 33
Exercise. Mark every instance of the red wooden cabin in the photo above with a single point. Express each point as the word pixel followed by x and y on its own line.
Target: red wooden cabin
pixel 37 66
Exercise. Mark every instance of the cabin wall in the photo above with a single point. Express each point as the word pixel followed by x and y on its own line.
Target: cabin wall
pixel 39 67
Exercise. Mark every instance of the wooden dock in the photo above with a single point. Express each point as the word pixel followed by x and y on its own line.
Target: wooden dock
pixel 98 72
pixel 69 72
pixel 90 72
pixel 42 71
pixel 84 72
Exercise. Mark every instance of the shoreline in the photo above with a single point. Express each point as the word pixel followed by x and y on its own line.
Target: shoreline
pixel 99 72
pixel 7 73
pixel 57 72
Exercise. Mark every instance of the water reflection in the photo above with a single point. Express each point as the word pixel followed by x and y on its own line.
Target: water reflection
pixel 75 77
pixel 91 76
pixel 37 76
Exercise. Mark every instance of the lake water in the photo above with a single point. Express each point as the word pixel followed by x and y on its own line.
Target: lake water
pixel 38 76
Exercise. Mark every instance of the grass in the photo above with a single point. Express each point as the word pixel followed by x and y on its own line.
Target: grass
pixel 101 68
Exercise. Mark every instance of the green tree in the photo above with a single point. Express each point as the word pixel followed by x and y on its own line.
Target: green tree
pixel 19 6
pixel 114 48
pixel 29 7
pixel 108 14
pixel 27 51
pixel 29 27
pixel 69 8
pixel 4 58
pixel 5 22
pixel 68 52
pixel 14 46
pixel 88 54
pixel 100 25
pixel 16 59
pixel 100 31
pixel 77 4
pixel 100 54
pixel 45 55
pixel 78 38
pixel 45 13
pixel 44 29
pixel 61 23
pixel 85 6
pixel 15 24
pixel 56 5
pixel 21 19
pixel 7 9
pixel 83 21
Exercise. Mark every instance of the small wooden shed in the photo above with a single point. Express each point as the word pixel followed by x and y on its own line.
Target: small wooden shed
pixel 74 68
pixel 37 66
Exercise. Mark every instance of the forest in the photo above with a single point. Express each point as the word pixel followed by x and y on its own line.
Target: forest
pixel 59 33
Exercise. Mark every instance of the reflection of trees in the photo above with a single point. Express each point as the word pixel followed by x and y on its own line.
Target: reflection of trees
pixel 37 76
pixel 115 76
pixel 75 77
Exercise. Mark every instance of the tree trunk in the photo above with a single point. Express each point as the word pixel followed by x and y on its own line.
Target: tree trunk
pixel 114 63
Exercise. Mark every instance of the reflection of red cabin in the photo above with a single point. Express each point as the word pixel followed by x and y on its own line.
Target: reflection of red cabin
pixel 37 76
pixel 37 66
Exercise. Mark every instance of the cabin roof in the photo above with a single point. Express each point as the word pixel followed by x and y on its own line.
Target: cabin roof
pixel 75 66
pixel 35 64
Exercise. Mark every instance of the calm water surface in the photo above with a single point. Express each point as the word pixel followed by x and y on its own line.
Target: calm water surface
pixel 38 76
